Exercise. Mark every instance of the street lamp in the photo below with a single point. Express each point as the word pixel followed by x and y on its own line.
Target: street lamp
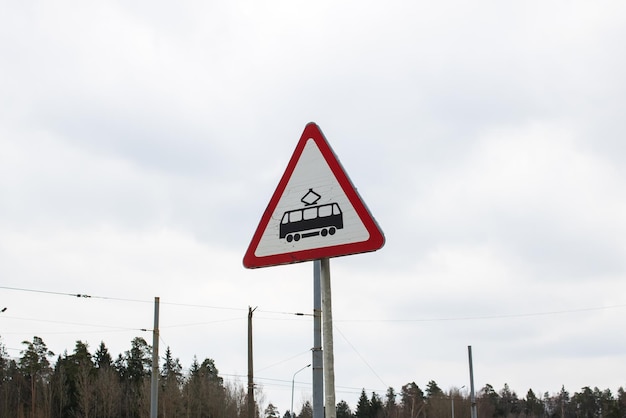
pixel 452 399
pixel 293 380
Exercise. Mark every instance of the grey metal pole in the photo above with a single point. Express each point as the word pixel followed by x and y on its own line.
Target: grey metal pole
pixel 154 381
pixel 472 394
pixel 327 324
pixel 318 361
pixel 293 381
pixel 452 402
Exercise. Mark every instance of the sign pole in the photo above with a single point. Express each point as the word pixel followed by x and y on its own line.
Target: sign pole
pixel 318 365
pixel 327 324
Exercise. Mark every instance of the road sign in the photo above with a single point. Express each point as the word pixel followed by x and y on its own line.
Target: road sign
pixel 315 211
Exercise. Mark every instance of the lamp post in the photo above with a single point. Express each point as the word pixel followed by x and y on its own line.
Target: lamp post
pixel 452 399
pixel 293 380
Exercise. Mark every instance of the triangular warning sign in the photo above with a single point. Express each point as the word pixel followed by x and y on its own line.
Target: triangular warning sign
pixel 315 211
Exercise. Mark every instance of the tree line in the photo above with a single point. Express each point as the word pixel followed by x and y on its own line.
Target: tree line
pixel 82 384
pixel 433 402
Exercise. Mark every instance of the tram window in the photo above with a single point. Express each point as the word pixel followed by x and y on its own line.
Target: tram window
pixel 295 216
pixel 325 210
pixel 310 213
pixel 336 210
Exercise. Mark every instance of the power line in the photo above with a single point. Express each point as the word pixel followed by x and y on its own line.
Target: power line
pixel 45 291
pixel 359 354
pixel 202 323
pixel 273 382
pixel 498 316
pixel 283 361
pixel 442 319
pixel 189 305
pixel 78 295
pixel 86 296
pixel 76 323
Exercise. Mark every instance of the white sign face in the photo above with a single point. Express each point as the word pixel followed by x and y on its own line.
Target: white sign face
pixel 313 212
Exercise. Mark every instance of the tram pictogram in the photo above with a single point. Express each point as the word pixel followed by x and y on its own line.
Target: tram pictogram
pixel 311 221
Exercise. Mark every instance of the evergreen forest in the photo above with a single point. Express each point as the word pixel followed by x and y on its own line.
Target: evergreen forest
pixel 40 384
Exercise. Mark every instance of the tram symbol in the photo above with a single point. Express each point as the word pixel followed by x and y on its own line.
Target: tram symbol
pixel 311 221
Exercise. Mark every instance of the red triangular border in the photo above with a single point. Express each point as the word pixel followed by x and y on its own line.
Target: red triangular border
pixel 376 238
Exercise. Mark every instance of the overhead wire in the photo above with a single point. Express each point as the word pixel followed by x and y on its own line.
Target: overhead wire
pixel 481 317
pixel 283 361
pixel 189 305
pixel 75 323
pixel 359 354
pixel 439 319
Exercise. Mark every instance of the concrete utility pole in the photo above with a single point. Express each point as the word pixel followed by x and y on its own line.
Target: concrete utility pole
pixel 327 329
pixel 250 368
pixel 154 382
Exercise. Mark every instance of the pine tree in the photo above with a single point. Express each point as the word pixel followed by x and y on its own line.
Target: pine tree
pixel 508 403
pixel 376 406
pixel 433 390
pixel 172 369
pixel 412 401
pixel 390 403
pixel 204 389
pixel 6 384
pixel 436 401
pixel 138 360
pixel 532 405
pixel 171 384
pixel 4 362
pixel 620 408
pixel 271 412
pixel 363 407
pixel 488 400
pixel 343 410
pixel 135 371
pixel 101 357
pixel 306 411
pixel 83 376
pixel 35 366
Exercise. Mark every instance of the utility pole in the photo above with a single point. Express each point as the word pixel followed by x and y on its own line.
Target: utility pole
pixel 250 368
pixel 154 382
pixel 327 346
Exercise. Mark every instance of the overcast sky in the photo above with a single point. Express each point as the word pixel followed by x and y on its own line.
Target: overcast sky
pixel 140 143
